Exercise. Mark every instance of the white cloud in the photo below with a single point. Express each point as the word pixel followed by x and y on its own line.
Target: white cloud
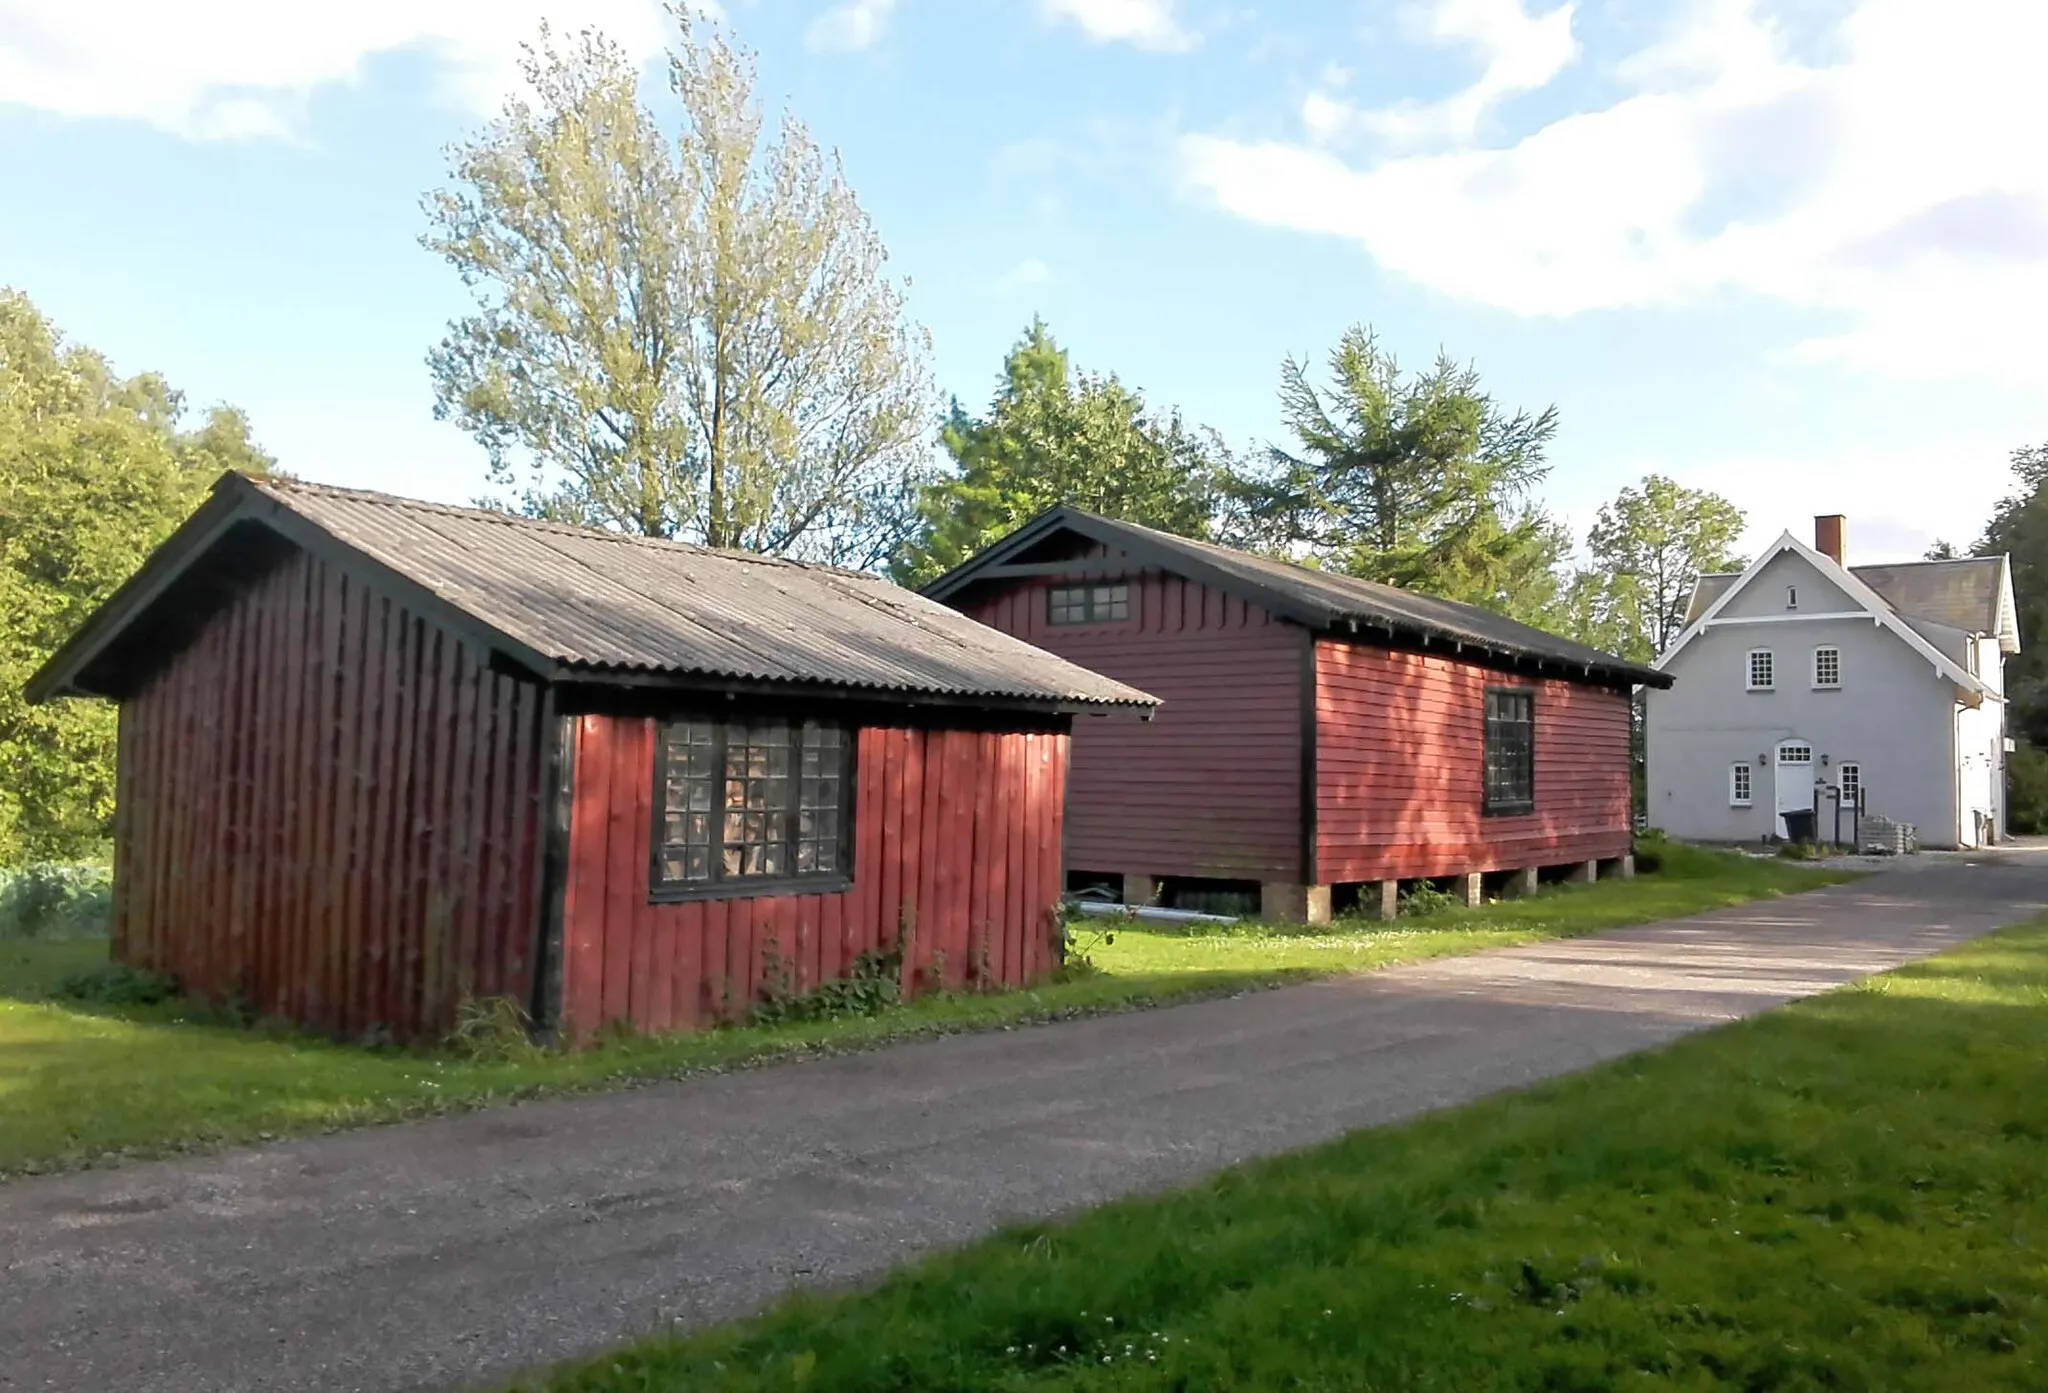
pixel 855 24
pixel 1025 274
pixel 1518 52
pixel 227 69
pixel 1149 24
pixel 1895 187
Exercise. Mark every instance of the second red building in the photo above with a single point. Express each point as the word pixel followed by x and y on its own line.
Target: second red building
pixel 1322 738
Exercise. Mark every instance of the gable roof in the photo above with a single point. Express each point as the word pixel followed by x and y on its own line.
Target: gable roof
pixel 1699 619
pixel 570 604
pixel 1971 593
pixel 1320 600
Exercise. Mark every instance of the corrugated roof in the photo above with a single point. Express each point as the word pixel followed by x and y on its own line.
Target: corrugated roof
pixel 601 604
pixel 1321 599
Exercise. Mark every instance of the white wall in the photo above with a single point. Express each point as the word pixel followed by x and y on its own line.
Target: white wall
pixel 1894 715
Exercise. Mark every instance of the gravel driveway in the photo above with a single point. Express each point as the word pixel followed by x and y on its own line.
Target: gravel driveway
pixel 456 1250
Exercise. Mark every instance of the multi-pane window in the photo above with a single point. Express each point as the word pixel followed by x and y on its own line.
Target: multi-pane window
pixel 1827 667
pixel 1739 784
pixel 1510 751
pixel 1088 604
pixel 1849 781
pixel 1762 672
pixel 748 802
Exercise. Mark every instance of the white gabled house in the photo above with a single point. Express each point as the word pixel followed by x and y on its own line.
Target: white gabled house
pixel 1804 685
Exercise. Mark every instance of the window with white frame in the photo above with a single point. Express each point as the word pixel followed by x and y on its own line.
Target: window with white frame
pixel 1739 784
pixel 1827 667
pixel 1762 672
pixel 1791 597
pixel 1849 780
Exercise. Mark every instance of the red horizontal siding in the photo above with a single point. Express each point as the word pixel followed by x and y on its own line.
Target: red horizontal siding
pixel 956 841
pixel 1399 740
pixel 1211 786
pixel 330 810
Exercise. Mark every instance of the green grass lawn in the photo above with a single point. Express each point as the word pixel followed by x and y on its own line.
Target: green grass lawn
pixel 80 1084
pixel 1849 1194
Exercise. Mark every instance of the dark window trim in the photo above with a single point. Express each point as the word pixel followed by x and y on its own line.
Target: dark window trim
pixel 1096 607
pixel 1520 807
pixel 750 887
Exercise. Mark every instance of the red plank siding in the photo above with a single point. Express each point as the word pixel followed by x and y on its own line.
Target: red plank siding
pixel 919 846
pixel 278 842
pixel 1399 743
pixel 1211 786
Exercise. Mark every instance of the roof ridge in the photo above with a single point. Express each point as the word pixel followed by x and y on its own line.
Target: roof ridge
pixel 547 525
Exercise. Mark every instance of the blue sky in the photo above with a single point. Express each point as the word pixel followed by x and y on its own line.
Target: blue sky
pixel 1794 251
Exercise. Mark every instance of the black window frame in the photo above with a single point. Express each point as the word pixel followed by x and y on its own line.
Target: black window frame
pixel 721 885
pixel 1512 802
pixel 1088 602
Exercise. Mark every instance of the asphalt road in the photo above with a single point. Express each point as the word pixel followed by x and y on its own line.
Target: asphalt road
pixel 451 1251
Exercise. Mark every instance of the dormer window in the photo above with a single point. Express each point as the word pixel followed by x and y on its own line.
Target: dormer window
pixel 1791 597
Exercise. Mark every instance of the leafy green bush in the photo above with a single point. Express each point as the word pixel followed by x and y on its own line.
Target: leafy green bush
pixel 872 985
pixel 1424 898
pixel 51 901
pixel 117 984
pixel 2026 782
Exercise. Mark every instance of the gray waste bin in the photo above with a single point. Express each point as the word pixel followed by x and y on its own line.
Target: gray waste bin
pixel 1799 825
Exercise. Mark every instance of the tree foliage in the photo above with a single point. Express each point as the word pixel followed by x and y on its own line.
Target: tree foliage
pixel 95 470
pixel 1052 435
pixel 2019 528
pixel 1648 546
pixel 687 336
pixel 1416 479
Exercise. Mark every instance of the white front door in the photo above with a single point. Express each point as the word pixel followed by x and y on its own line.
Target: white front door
pixel 1794 777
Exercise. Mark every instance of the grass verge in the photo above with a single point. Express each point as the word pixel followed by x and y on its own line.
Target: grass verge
pixel 1846 1194
pixel 81 1085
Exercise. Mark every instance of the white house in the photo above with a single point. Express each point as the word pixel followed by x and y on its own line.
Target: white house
pixel 1806 685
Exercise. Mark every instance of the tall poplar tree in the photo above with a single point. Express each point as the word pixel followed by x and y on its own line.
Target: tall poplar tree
pixel 683 327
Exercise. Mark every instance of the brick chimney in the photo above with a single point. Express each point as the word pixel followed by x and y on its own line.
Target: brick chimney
pixel 1827 536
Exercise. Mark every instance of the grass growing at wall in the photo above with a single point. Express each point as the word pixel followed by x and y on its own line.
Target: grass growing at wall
pixel 1846 1194
pixel 117 1074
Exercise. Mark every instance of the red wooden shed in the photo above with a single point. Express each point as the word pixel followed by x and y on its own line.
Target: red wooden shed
pixel 377 755
pixel 1322 738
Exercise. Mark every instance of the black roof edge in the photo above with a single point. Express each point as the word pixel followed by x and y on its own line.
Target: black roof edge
pixel 236 499
pixel 640 680
pixel 1319 618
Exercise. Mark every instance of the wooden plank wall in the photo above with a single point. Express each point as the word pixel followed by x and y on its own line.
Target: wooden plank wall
pixel 957 833
pixel 331 810
pixel 1400 739
pixel 1211 786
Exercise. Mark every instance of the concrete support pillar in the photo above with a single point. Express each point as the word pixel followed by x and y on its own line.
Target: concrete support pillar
pixel 1285 902
pixel 1472 889
pixel 1586 872
pixel 1140 889
pixel 1622 867
pixel 1381 899
pixel 1521 882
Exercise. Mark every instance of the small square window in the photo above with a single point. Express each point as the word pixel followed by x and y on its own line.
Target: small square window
pixel 1762 674
pixel 1088 604
pixel 1827 667
pixel 1739 784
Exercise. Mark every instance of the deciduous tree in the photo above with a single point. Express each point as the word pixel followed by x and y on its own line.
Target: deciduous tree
pixel 681 335
pixel 95 470
pixel 1648 547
